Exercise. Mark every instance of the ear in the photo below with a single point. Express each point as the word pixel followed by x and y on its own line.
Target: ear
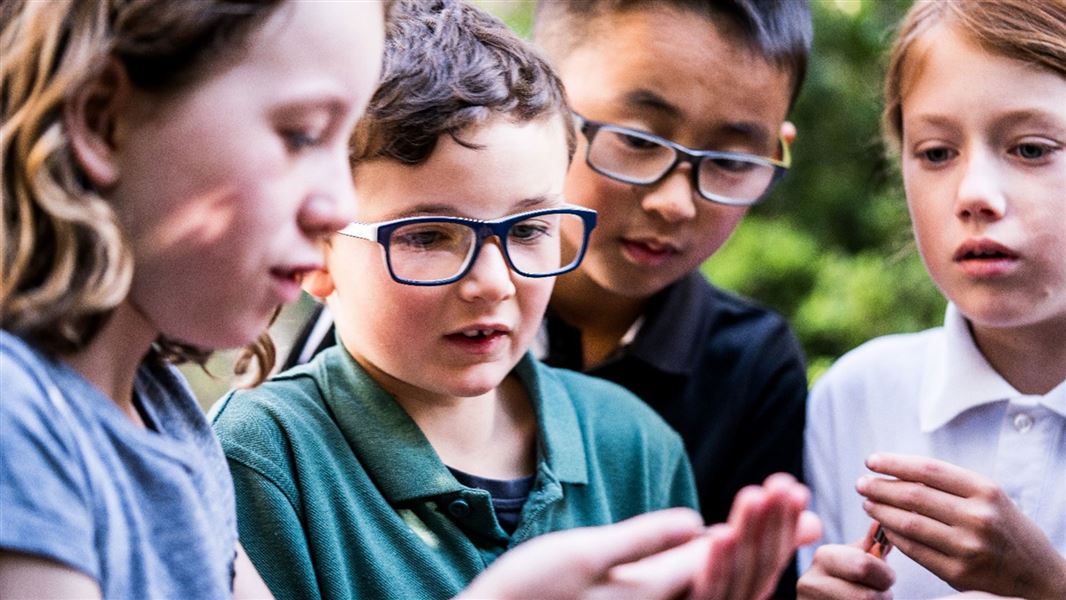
pixel 788 132
pixel 318 283
pixel 91 117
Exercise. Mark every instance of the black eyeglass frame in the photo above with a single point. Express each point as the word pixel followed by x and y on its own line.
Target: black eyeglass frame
pixel 590 128
pixel 382 233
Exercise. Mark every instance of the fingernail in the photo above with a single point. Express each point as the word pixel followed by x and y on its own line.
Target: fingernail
pixel 861 484
pixel 867 506
pixel 872 460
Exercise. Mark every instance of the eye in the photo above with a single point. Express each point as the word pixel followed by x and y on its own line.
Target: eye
pixel 429 237
pixel 629 141
pixel 937 155
pixel 296 140
pixel 1032 151
pixel 731 165
pixel 636 142
pixel 529 231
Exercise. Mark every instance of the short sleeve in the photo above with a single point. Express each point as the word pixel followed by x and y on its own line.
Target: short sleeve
pixel 44 507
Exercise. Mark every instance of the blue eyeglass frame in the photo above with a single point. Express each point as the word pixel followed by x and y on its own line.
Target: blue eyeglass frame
pixel 590 128
pixel 382 232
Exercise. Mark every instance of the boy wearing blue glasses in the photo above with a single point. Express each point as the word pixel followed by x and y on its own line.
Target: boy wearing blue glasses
pixel 402 461
pixel 681 108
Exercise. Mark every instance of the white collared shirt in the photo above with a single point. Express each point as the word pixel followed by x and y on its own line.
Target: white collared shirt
pixel 932 394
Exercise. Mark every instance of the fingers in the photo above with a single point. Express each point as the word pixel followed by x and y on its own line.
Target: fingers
pixel 638 537
pixel 766 520
pixel 927 471
pixel 916 497
pixel 809 529
pixel 840 571
pixel 904 526
pixel 665 575
pixel 580 562
pixel 715 581
pixel 817 586
pixel 747 518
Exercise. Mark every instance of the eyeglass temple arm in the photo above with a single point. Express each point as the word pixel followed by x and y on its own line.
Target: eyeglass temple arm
pixel 786 155
pixel 366 231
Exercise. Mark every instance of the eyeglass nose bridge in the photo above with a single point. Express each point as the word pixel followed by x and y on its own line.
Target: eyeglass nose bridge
pixel 482 232
pixel 682 155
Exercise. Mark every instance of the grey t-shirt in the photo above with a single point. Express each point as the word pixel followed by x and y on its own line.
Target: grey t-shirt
pixel 148 514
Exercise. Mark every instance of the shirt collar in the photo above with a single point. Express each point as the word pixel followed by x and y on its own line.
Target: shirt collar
pixel 667 336
pixel 397 455
pixel 958 378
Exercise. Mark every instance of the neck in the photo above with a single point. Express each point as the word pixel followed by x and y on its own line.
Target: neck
pixel 492 435
pixel 603 322
pixel 1031 358
pixel 110 362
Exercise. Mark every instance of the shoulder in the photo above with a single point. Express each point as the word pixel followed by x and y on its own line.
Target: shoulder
pixel 737 318
pixel 30 388
pixel 729 324
pixel 262 424
pixel 891 355
pixel 891 362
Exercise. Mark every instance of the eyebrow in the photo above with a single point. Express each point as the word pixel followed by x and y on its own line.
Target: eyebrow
pixel 934 120
pixel 748 130
pixel 644 98
pixel 451 210
pixel 1033 117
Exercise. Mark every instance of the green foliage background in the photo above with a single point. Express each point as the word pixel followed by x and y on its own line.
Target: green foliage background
pixel 832 248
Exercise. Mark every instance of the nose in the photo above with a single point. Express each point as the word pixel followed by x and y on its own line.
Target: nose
pixel 331 204
pixel 672 199
pixel 980 195
pixel 490 277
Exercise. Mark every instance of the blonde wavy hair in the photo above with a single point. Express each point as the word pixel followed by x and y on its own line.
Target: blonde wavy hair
pixel 66 263
pixel 1030 31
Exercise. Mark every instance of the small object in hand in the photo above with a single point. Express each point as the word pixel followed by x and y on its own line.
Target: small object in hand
pixel 881 545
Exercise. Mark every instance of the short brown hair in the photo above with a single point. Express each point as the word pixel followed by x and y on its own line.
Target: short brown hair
pixel 1030 31
pixel 447 66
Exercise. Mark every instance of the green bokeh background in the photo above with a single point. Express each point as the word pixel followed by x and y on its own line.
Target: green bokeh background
pixel 831 249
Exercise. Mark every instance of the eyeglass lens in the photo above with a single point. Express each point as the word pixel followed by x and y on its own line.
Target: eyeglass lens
pixel 431 251
pixel 643 160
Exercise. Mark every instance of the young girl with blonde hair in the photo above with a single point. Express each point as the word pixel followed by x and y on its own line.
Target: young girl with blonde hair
pixel 963 427
pixel 168 171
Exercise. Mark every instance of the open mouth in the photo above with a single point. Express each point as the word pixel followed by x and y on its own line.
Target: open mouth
pixel 983 252
pixel 478 334
pixel 985 255
pixel 648 252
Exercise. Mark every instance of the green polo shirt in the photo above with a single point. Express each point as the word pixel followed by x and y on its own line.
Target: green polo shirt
pixel 340 495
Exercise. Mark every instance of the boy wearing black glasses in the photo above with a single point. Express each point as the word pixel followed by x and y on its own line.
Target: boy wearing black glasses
pixel 680 107
pixel 402 461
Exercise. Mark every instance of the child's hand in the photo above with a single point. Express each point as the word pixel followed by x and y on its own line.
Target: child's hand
pixel 584 563
pixel 847 571
pixel 747 555
pixel 962 527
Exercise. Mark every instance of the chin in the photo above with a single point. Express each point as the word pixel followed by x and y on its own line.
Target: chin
pixel 478 383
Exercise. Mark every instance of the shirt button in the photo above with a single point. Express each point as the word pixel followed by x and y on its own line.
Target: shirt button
pixel 1023 422
pixel 459 508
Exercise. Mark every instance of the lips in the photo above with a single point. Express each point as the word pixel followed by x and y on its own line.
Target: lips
pixel 985 258
pixel 480 338
pixel 288 280
pixel 649 252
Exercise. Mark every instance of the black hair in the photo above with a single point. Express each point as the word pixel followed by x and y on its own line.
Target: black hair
pixel 778 30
